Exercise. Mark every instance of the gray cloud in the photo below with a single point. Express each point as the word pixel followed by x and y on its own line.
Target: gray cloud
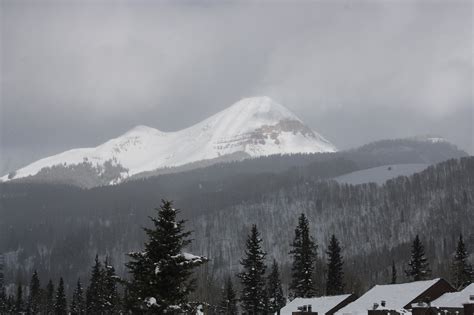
pixel 76 73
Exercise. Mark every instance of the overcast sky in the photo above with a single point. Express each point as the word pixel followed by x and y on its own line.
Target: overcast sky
pixel 77 73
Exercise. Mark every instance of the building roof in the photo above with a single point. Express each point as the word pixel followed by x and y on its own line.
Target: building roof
pixel 396 297
pixel 455 299
pixel 321 304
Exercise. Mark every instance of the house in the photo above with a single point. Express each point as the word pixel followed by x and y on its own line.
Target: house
pixel 324 305
pixel 396 298
pixel 461 302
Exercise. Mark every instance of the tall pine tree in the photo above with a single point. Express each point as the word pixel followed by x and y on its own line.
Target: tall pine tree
pixel 304 258
pixel 95 294
pixel 462 272
pixel 161 273
pixel 418 267
pixel 19 300
pixel 228 304
pixel 60 302
pixel 78 305
pixel 49 299
pixel 4 307
pixel 111 296
pixel 253 296
pixel 335 278
pixel 34 299
pixel 276 299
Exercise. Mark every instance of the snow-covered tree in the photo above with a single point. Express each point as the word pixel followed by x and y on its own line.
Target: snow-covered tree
pixel 78 305
pixel 95 294
pixel 462 272
pixel 161 274
pixel 304 258
pixel 228 304
pixel 60 302
pixel 34 299
pixel 276 299
pixel 253 295
pixel 111 296
pixel 418 267
pixel 335 278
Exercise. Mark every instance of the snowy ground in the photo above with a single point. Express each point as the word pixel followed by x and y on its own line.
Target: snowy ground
pixel 381 174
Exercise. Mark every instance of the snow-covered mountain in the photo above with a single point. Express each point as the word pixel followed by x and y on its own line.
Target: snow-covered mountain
pixel 255 126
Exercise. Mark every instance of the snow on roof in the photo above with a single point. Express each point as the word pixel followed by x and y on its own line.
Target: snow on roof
pixel 396 296
pixel 321 304
pixel 455 299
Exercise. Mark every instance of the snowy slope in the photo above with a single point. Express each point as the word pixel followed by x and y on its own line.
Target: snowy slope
pixel 381 174
pixel 257 126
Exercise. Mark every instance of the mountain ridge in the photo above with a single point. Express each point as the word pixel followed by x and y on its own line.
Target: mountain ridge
pixel 257 126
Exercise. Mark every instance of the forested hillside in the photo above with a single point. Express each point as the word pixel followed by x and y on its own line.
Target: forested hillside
pixel 323 165
pixel 58 229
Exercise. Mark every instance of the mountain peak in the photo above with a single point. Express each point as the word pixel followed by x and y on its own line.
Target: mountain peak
pixel 264 106
pixel 252 127
pixel 142 129
pixel 259 103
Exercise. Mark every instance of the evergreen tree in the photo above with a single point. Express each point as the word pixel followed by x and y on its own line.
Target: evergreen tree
pixel 462 272
pixel 394 273
pixel 95 295
pixel 111 296
pixel 78 306
pixel 19 302
pixel 228 304
pixel 304 258
pixel 253 296
pixel 334 284
pixel 125 299
pixel 10 304
pixel 418 265
pixel 161 273
pixel 34 299
pixel 49 300
pixel 276 300
pixel 60 302
pixel 4 307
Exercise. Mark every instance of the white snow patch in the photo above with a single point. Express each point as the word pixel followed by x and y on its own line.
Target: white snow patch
pixel 455 299
pixel 321 305
pixel 189 256
pixel 381 174
pixel 150 301
pixel 396 297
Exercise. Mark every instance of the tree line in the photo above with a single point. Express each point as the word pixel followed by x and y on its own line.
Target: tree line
pixel 100 297
pixel 375 223
pixel 161 276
